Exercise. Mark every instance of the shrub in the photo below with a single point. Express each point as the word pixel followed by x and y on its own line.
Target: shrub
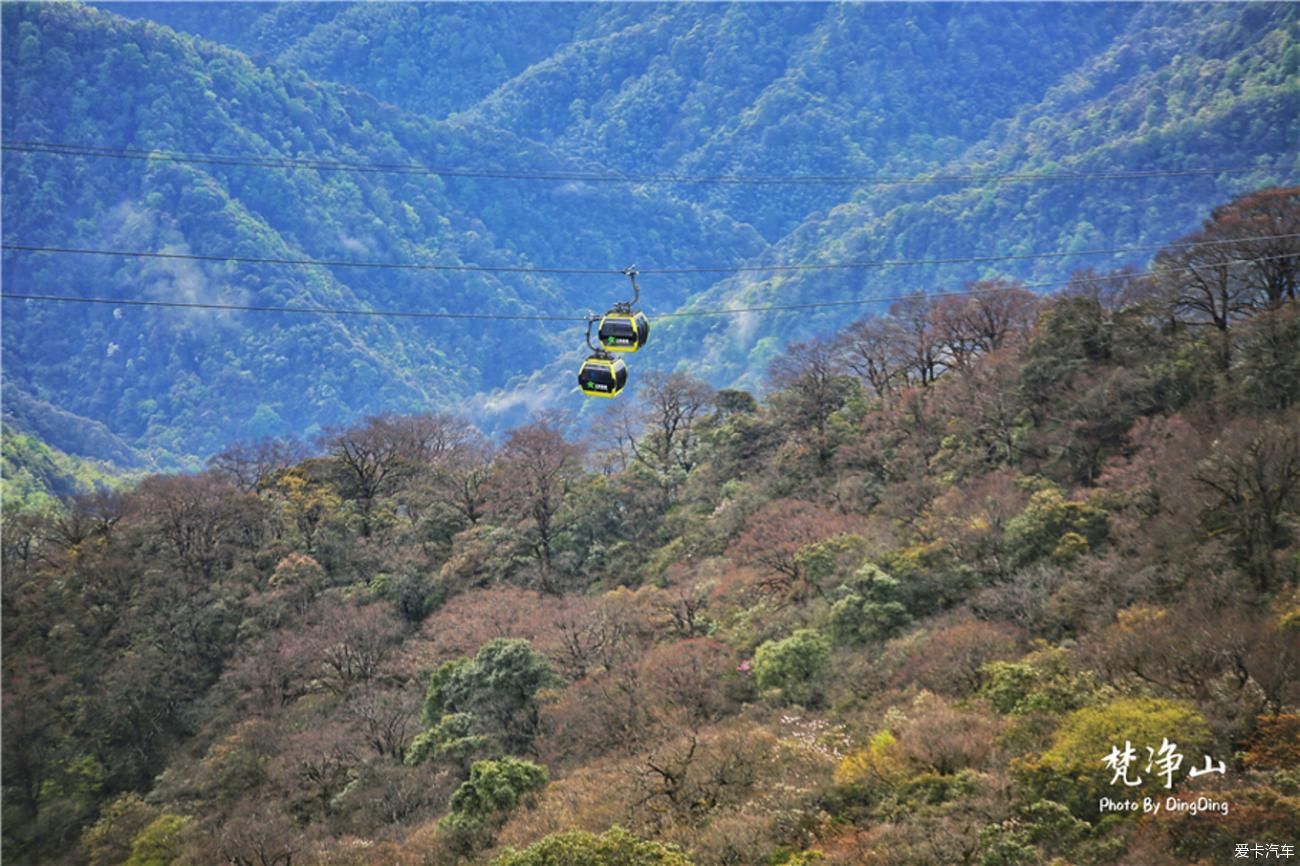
pixel 614 847
pixel 1051 526
pixel 480 804
pixel 159 843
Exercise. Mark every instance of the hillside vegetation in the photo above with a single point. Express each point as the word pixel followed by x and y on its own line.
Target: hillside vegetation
pixel 1191 87
pixel 34 476
pixel 898 612
pixel 755 89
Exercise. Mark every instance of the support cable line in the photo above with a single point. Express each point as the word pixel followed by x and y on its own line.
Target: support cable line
pixel 316 311
pixel 712 269
pixel 681 314
pixel 162 155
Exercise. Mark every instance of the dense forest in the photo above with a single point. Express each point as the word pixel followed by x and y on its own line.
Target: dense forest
pixel 911 608
pixel 861 90
pixel 951 517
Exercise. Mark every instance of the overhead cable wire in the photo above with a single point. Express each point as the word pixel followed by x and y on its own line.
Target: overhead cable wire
pixel 712 269
pixel 727 311
pixel 161 155
pixel 318 311
pixel 328 263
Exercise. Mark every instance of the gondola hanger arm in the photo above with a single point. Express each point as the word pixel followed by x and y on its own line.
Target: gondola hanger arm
pixel 631 273
pixel 592 319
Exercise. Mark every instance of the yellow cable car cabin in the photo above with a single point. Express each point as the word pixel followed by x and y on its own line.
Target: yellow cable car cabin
pixel 602 377
pixel 623 331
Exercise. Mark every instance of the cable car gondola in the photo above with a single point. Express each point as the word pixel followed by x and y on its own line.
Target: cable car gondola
pixel 601 375
pixel 624 329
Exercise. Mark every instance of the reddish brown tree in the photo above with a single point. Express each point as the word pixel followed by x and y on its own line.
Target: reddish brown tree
pixel 1264 228
pixel 534 472
pixel 378 456
pixel 272 673
pixel 986 414
pixel 663 437
pixel 471 619
pixel 998 313
pixel 606 712
pixel 945 738
pixel 810 381
pixel 920 343
pixel 195 516
pixel 90 515
pixel 684 608
pixel 605 635
pixel 254 834
pixel 386 719
pixel 948 660
pixel 773 537
pixel 688 679
pixel 352 641
pixel 1113 290
pixel 1253 477
pixel 869 348
pixel 1206 281
pixel 1231 661
pixel 1275 745
pixel 970 519
pixel 460 478
pixel 248 465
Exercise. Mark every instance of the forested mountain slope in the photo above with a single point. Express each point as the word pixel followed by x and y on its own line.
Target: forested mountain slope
pixel 430 59
pixel 1185 88
pixel 261 31
pixel 187 383
pixel 899 612
pixel 770 88
pixel 34 477
pixel 697 88
pixel 810 89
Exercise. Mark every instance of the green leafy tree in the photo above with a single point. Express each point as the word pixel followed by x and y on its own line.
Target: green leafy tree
pixel 479 806
pixel 1052 526
pixel 159 843
pixel 795 668
pixel 496 786
pixel 869 608
pixel 1003 846
pixel 485 703
pixel 1041 682
pixel 109 841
